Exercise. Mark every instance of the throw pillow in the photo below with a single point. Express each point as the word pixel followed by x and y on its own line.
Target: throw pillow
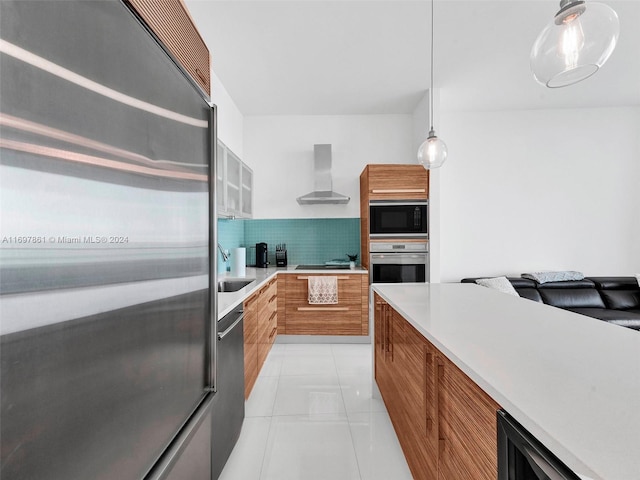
pixel 502 284
pixel 562 276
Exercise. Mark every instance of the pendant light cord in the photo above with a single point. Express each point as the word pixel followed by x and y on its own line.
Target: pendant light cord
pixel 431 86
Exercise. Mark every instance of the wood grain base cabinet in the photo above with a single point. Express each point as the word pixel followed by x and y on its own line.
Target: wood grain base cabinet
pixel 445 423
pixel 348 317
pixel 267 319
pixel 260 331
pixel 250 327
pixel 467 426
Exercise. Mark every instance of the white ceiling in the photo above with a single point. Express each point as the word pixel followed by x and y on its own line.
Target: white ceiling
pixel 311 57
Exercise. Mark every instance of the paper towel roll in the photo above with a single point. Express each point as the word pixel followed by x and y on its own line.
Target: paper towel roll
pixel 238 262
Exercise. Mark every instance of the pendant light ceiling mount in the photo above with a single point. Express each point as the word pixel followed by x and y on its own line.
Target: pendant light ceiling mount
pixel 433 151
pixel 575 43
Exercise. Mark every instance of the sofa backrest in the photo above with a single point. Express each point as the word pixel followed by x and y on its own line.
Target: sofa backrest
pixel 571 294
pixel 620 293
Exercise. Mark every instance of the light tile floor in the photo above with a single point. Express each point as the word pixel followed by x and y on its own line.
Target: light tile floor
pixel 310 416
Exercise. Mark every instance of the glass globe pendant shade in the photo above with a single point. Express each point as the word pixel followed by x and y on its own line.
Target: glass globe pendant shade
pixel 575 43
pixel 433 152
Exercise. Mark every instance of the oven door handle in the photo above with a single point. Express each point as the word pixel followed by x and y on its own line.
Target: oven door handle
pixel 399 258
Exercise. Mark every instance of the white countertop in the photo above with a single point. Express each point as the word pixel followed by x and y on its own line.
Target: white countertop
pixel 571 380
pixel 227 301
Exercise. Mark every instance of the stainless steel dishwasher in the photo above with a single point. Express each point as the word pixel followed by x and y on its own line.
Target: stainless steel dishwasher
pixel 228 402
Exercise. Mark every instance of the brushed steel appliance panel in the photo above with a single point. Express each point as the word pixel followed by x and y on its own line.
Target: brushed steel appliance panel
pixel 105 255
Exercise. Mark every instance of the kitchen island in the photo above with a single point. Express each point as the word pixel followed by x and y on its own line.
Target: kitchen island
pixel 570 380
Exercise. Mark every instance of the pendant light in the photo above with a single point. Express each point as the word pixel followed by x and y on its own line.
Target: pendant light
pixel 575 43
pixel 433 151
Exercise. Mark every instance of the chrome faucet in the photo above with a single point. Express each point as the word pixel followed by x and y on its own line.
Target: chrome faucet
pixel 225 257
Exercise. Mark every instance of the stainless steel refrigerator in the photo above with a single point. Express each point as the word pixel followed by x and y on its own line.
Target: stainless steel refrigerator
pixel 107 312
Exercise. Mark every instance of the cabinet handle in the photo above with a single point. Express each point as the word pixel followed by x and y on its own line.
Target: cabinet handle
pixel 440 371
pixel 400 190
pixel 273 315
pixel 427 389
pixel 221 335
pixel 273 298
pixel 275 329
pixel 442 444
pixel 323 309
pixel 307 277
pixel 201 76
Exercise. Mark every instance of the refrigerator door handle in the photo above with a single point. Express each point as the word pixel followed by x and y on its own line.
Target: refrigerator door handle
pixel 213 254
pixel 228 330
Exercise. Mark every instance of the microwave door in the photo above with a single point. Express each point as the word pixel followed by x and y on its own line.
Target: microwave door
pixel 398 219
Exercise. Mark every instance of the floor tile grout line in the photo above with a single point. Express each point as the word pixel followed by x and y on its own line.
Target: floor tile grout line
pixel 344 404
pixel 266 445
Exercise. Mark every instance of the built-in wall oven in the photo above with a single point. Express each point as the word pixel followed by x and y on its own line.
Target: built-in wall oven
pixel 398 218
pixel 399 261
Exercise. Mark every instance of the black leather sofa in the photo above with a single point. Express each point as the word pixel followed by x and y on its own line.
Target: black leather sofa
pixel 612 299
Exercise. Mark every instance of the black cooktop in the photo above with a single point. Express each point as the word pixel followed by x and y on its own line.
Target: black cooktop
pixel 322 267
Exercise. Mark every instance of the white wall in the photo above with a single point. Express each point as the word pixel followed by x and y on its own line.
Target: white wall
pixel 279 149
pixel 230 119
pixel 540 190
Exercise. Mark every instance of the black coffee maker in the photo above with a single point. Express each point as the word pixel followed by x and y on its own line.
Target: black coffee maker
pixel 261 255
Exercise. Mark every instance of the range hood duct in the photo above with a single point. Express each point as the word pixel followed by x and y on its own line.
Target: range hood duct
pixel 323 183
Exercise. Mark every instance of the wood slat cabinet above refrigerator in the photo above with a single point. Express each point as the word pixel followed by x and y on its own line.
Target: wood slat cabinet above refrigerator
pixel 171 22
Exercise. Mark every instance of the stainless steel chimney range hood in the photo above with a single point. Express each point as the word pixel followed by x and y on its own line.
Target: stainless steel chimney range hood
pixel 323 183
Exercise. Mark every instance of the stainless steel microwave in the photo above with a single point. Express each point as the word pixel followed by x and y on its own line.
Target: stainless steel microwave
pixel 398 218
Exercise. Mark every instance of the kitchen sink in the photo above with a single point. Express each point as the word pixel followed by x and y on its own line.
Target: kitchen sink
pixel 232 285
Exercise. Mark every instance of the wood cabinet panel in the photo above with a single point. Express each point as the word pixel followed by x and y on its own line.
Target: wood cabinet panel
pixel 324 320
pixel 348 317
pixel 445 423
pixel 364 218
pixel 171 22
pixel 250 344
pixel 388 182
pixel 397 182
pixel 349 289
pixel 364 308
pixel 267 319
pixel 467 426
pixel 282 298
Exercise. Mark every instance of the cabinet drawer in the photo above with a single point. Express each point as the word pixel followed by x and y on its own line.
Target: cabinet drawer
pixel 349 290
pixel 324 320
pixel 467 425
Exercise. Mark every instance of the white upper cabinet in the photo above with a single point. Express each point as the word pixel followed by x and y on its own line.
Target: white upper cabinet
pixel 234 185
pixel 247 192
pixel 220 179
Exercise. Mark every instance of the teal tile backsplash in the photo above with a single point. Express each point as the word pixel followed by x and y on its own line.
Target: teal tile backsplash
pixel 230 235
pixel 309 240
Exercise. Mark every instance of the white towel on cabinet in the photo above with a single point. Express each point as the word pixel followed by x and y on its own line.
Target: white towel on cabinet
pixel 323 290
